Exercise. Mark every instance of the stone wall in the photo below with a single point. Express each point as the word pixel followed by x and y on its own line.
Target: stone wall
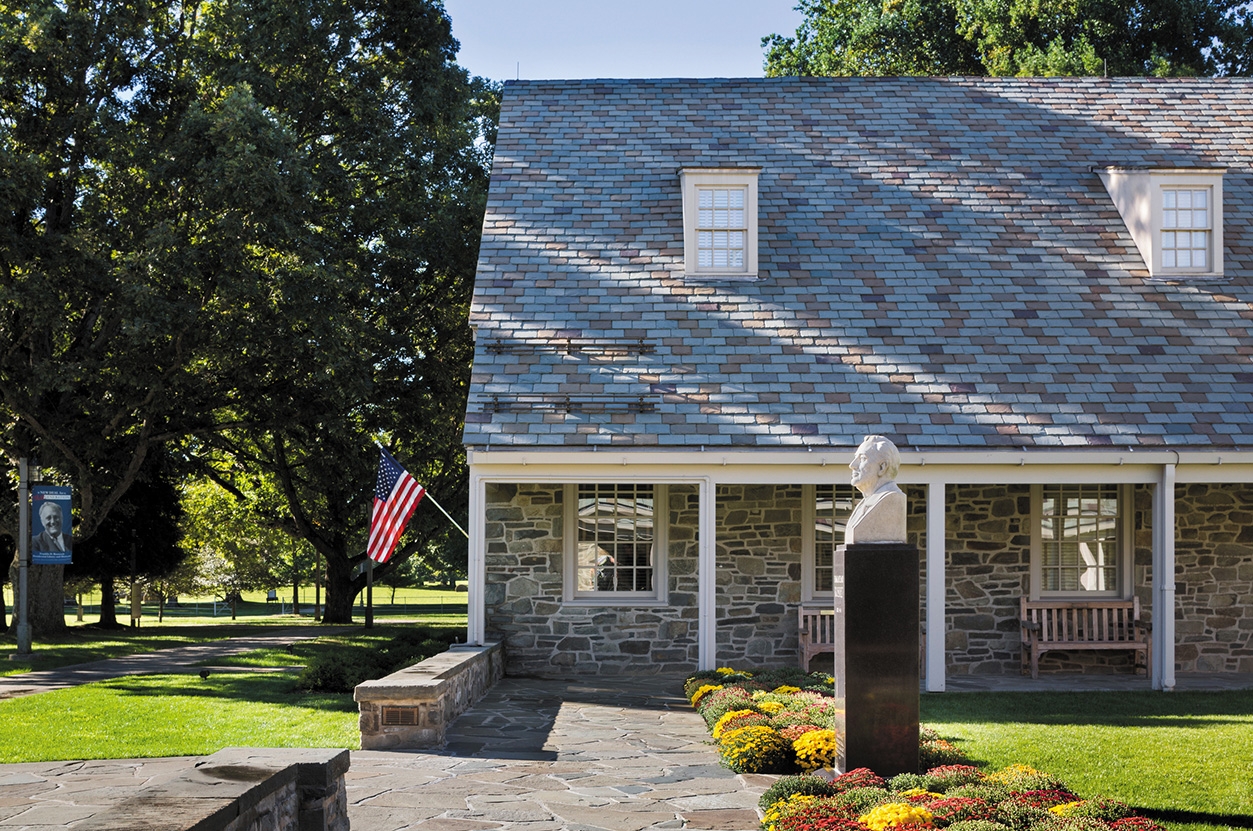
pixel 545 636
pixel 1214 578
pixel 759 574
pixel 412 708
pixel 988 539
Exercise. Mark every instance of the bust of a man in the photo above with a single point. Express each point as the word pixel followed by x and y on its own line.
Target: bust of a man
pixel 880 515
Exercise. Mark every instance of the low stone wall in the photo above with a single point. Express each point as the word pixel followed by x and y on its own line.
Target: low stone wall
pixel 411 709
pixel 239 789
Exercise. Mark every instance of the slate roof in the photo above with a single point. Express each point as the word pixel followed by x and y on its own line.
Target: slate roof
pixel 939 263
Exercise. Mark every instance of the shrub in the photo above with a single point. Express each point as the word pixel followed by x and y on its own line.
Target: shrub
pixel 944 777
pixel 815 749
pixel 737 719
pixel 795 731
pixel 790 785
pixel 1019 816
pixel 958 808
pixel 990 792
pixel 756 749
pixel 1101 808
pixel 1020 778
pixel 700 679
pixel 860 800
pixel 977 825
pixel 717 704
pixel 702 691
pixel 858 778
pixel 339 672
pixel 1135 824
pixel 820 816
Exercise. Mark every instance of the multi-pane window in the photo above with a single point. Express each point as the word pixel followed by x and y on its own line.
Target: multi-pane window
pixel 1080 539
pixel 617 539
pixel 1186 228
pixel 720 222
pixel 832 506
pixel 721 230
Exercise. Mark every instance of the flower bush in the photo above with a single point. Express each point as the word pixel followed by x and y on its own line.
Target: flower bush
pixel 756 749
pixel 895 815
pixel 815 749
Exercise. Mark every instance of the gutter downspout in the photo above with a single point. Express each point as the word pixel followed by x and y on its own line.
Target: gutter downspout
pixel 706 615
pixel 935 587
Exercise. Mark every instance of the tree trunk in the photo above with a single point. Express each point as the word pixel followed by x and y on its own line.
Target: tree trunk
pixel 46 588
pixel 108 605
pixel 295 595
pixel 341 590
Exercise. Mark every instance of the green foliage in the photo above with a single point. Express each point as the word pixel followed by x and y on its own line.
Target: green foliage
pixel 786 786
pixel 248 229
pixel 1016 37
pixel 340 669
pixel 756 749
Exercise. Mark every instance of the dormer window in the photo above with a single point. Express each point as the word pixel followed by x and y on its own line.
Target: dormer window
pixel 1175 217
pixel 720 221
pixel 1186 228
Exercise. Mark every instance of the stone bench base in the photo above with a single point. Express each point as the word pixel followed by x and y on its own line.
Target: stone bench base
pixel 235 789
pixel 411 709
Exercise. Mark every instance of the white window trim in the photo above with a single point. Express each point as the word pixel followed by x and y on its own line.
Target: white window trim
pixel 809 548
pixel 1126 545
pixel 694 178
pixel 570 544
pixel 1137 193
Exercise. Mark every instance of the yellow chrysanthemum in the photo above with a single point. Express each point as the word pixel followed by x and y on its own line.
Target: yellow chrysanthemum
pixel 730 671
pixel 1065 808
pixel 704 690
pixel 1012 771
pixel 770 707
pixel 785 807
pixel 727 718
pixel 921 792
pixel 786 689
pixel 815 749
pixel 891 814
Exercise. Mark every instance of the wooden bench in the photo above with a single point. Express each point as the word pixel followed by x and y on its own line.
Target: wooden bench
pixel 1070 625
pixel 816 632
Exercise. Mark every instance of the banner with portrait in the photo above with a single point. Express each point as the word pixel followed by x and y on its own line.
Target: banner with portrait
pixel 52 540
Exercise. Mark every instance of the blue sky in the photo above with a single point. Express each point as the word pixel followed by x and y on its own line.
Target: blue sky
pixel 538 39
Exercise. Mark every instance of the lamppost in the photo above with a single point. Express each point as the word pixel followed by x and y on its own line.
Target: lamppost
pixel 23 558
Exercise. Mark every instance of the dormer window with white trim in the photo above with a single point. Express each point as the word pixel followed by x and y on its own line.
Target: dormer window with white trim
pixel 1175 217
pixel 720 221
pixel 1186 228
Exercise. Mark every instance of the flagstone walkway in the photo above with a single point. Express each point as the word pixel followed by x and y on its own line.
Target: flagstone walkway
pixel 618 754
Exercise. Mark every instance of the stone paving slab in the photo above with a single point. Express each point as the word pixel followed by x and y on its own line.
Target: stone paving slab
pixel 615 755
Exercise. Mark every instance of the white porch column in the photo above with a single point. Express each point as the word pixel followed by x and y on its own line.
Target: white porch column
pixel 1164 581
pixel 706 575
pixel 476 611
pixel 935 587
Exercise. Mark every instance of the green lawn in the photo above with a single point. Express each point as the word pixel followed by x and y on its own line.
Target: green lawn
pixel 82 644
pixel 173 715
pixel 1185 758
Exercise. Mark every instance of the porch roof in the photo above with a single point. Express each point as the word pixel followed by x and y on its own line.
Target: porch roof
pixel 939 263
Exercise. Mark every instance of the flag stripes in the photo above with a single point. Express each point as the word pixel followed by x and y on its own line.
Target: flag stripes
pixel 396 494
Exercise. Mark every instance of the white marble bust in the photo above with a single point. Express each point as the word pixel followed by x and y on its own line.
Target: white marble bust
pixel 880 515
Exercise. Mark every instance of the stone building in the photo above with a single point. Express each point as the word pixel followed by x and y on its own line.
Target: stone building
pixel 695 298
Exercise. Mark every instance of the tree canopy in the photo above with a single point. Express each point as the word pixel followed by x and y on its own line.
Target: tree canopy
pixel 244 229
pixel 1016 37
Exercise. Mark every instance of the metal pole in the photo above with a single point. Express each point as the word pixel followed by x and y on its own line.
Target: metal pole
pixel 23 559
pixel 369 593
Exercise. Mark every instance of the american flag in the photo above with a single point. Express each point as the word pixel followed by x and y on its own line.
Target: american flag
pixel 396 494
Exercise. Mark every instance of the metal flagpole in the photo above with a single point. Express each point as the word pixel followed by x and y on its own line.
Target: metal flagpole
pixel 23 558
pixel 369 592
pixel 427 495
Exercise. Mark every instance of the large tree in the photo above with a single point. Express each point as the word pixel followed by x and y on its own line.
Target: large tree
pixel 141 206
pixel 1016 37
pixel 250 226
pixel 367 337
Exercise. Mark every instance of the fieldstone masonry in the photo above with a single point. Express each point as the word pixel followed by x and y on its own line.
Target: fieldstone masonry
pixel 758 552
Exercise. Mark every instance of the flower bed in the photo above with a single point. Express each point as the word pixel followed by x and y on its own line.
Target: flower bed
pixel 955 797
pixel 784 721
pixel 781 721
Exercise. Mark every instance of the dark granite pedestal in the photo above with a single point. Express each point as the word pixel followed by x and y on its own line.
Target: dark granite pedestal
pixel 876 656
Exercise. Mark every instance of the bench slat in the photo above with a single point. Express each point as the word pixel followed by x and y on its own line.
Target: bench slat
pixel 1049 625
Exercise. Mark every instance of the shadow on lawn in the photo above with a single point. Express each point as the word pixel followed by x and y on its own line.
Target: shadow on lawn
pixel 261 688
pixel 1198 817
pixel 1130 709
